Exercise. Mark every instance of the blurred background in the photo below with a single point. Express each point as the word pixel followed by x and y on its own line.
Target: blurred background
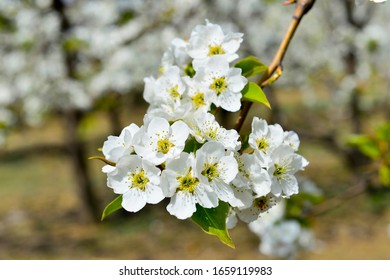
pixel 72 73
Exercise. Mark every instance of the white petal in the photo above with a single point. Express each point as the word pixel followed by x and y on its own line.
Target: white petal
pixel 157 126
pixel 289 185
pixel 223 191
pixel 134 200
pixel 154 194
pixel 205 198
pixel 169 182
pixel 230 101
pixel 182 205
pixel 180 132
pixel 228 168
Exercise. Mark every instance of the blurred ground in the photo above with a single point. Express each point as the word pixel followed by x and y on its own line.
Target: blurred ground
pixel 41 216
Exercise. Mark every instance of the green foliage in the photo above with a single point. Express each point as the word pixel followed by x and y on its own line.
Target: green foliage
pixel 73 44
pixel 112 207
pixel 377 148
pixel 384 175
pixel 366 145
pixel 253 93
pixel 125 16
pixel 298 205
pixel 6 24
pixel 189 70
pixel 213 221
pixel 251 66
pixel 192 145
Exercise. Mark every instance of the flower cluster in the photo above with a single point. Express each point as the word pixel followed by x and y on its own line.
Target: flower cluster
pixel 181 152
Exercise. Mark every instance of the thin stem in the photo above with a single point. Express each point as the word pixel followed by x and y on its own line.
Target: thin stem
pixel 302 7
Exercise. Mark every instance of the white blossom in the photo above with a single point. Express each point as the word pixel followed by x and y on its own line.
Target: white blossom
pixel 209 40
pixel 259 205
pixel 204 127
pixel 157 140
pixel 217 168
pixel 138 181
pixel 253 174
pixel 179 182
pixel 223 82
pixel 117 146
pixel 284 164
pixel 264 137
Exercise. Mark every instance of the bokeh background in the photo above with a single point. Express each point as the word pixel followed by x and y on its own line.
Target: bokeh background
pixel 72 73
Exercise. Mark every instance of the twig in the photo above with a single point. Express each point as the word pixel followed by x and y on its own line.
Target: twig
pixel 337 201
pixel 302 7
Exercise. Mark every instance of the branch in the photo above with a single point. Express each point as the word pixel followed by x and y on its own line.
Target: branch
pixel 302 7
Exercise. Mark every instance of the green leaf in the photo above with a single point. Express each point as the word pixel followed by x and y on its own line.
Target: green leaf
pixel 251 66
pixel 383 132
pixel 112 207
pixel 253 93
pixel 213 221
pixel 365 145
pixel 192 145
pixel 384 175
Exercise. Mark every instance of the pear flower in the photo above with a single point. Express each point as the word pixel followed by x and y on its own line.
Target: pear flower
pixel 252 174
pixel 197 95
pixel 224 83
pixel 209 40
pixel 158 140
pixel 284 164
pixel 138 181
pixel 260 204
pixel 217 168
pixel 117 146
pixel 264 137
pixel 204 127
pixel 168 87
pixel 176 55
pixel 179 182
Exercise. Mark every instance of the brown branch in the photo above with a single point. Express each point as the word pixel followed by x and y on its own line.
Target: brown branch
pixel 337 201
pixel 302 7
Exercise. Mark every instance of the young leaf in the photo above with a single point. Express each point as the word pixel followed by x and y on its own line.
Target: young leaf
pixel 253 93
pixel 251 66
pixel 112 207
pixel 213 221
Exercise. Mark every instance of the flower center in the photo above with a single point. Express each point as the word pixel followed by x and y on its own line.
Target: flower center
pixel 187 183
pixel 262 144
pixel 214 50
pixel 174 92
pixel 164 145
pixel 219 85
pixel 198 99
pixel 139 180
pixel 210 170
pixel 212 133
pixel 279 171
pixel 261 203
